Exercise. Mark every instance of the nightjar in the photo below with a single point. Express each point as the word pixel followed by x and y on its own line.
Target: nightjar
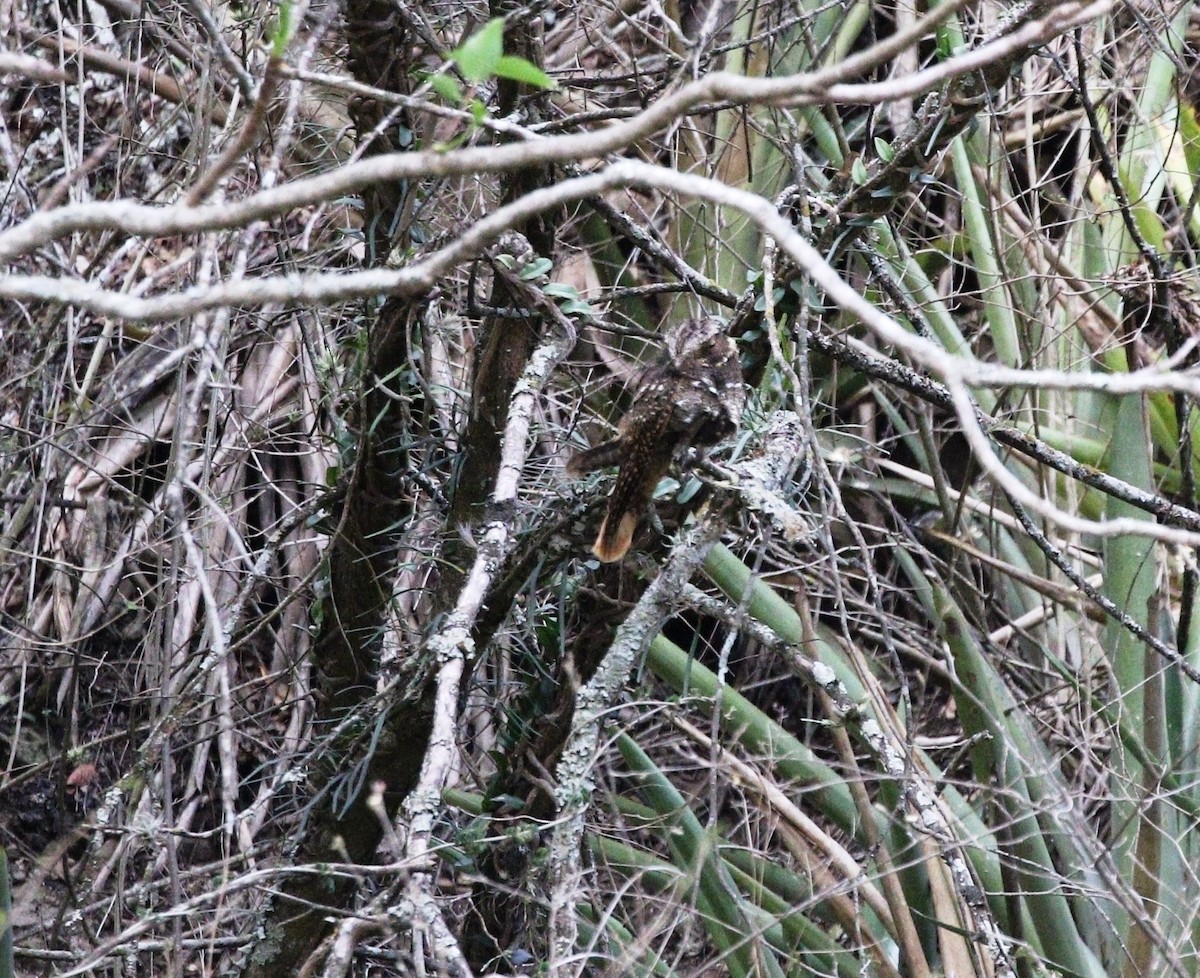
pixel 692 394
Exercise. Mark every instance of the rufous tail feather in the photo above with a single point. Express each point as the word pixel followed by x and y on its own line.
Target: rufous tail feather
pixel 626 504
pixel 612 542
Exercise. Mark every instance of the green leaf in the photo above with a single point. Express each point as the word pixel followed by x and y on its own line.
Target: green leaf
pixel 690 488
pixel 480 54
pixel 777 294
pixel 1189 128
pixel 858 172
pixel 447 87
pixel 560 290
pixel 577 307
pixel 283 30
pixel 945 44
pixel 884 149
pixel 536 268
pixel 520 70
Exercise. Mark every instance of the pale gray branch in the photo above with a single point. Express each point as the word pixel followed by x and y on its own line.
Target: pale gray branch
pixel 807 88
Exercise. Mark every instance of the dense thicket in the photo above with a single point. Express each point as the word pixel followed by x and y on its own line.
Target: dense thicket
pixel 305 664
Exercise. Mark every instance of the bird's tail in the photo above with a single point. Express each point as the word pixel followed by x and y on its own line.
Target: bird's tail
pixel 626 503
pixel 615 536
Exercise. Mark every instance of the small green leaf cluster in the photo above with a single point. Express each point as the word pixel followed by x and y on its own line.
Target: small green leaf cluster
pixel 480 58
pixel 570 301
pixel 282 30
pixel 567 296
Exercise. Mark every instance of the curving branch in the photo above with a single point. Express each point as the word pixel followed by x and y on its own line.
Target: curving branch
pixel 720 89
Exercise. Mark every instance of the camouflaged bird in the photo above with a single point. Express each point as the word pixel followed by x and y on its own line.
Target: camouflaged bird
pixel 691 395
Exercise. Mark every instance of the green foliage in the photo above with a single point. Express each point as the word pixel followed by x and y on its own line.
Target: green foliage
pixel 281 33
pixel 985 281
pixel 927 710
pixel 481 57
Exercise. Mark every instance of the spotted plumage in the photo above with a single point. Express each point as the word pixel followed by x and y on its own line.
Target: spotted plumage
pixel 691 395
